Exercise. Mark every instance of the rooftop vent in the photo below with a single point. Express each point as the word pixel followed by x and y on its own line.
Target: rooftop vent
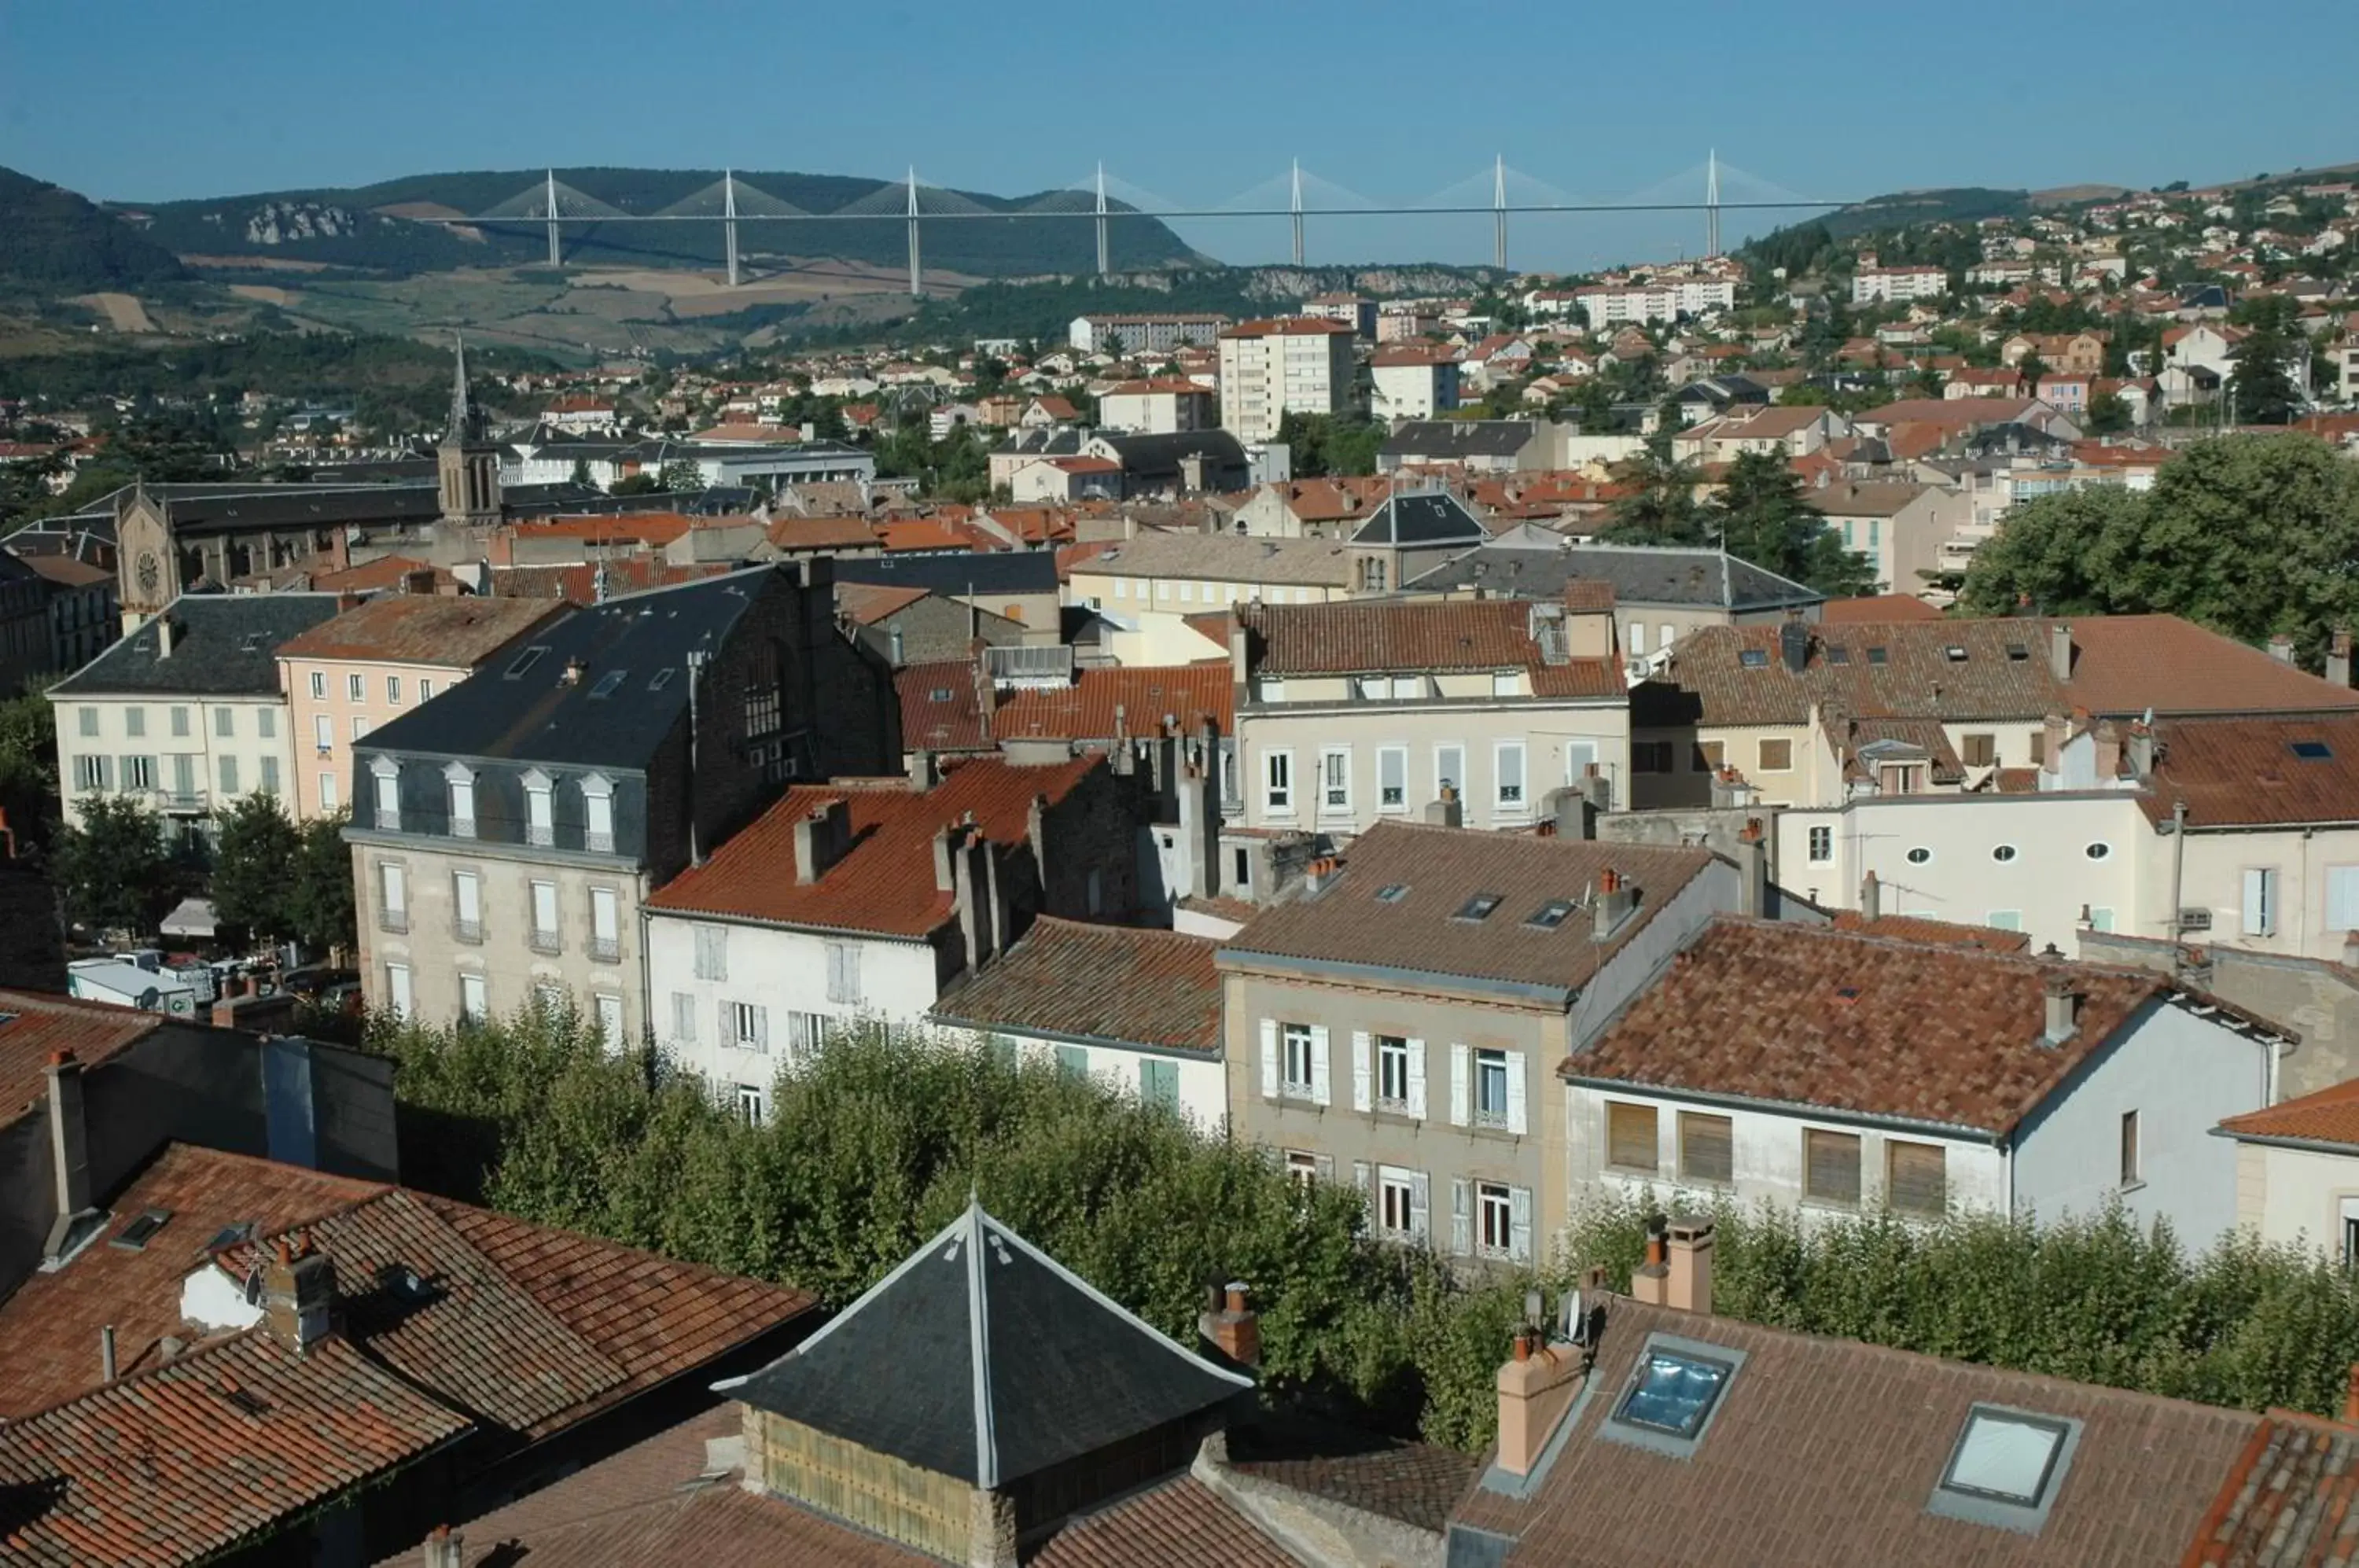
pixel 1879 656
pixel 134 1237
pixel 1392 892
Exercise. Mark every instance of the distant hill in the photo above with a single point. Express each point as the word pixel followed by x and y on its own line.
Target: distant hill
pixel 59 243
pixel 1958 204
pixel 377 228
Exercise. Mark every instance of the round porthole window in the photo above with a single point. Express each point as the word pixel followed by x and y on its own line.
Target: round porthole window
pixel 2003 853
pixel 2098 851
pixel 1919 855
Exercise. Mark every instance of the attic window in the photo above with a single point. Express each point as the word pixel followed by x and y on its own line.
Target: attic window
pixel 2312 750
pixel 134 1237
pixel 610 682
pixel 231 1235
pixel 1392 892
pixel 1879 656
pixel 1754 658
pixel 1673 1391
pixel 2007 1467
pixel 2018 652
pixel 1838 654
pixel 1956 653
pixel 525 660
pixel 1550 915
pixel 406 1284
pixel 662 678
pixel 1479 907
pixel 938 694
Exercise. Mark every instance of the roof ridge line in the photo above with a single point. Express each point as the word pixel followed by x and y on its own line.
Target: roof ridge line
pixel 978 1330
pixel 1108 1302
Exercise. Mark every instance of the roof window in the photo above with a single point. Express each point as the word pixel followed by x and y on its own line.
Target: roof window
pixel 134 1237
pixel 938 694
pixel 2312 750
pixel 2007 1467
pixel 1392 892
pixel 1479 907
pixel 233 1235
pixel 525 660
pixel 1955 653
pixel 661 679
pixel 1754 658
pixel 610 682
pixel 1673 1393
pixel 1879 656
pixel 1550 915
pixel 2016 652
pixel 1838 654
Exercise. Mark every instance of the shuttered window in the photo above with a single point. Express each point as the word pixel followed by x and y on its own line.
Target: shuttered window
pixel 1830 1167
pixel 1916 1177
pixel 1630 1137
pixel 1706 1149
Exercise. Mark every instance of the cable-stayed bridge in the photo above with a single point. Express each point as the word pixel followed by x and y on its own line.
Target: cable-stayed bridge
pixel 1296 193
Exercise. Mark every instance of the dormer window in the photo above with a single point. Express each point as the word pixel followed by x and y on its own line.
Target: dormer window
pixel 387 774
pixel 461 778
pixel 598 814
pixel 540 820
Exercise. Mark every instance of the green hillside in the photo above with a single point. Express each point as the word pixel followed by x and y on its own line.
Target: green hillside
pixel 59 243
pixel 351 227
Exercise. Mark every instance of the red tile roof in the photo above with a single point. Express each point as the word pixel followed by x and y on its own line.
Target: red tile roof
pixel 2329 1117
pixel 1379 637
pixel 1147 694
pixel 2247 773
pixel 2288 1498
pixel 885 883
pixel 1936 933
pixel 952 721
pixel 382 573
pixel 2124 664
pixel 579 585
pixel 1952 1036
pixel 819 533
pixel 454 633
pixel 1121 982
pixel 869 603
pixel 1877 608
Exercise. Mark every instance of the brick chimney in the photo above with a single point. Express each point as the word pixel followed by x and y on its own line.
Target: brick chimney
pixel 1536 1386
pixel 68 1149
pixel 1688 1286
pixel 298 1287
pixel 1232 1326
pixel 1871 897
pixel 2108 741
pixel 2055 729
pixel 1649 1281
pixel 2139 749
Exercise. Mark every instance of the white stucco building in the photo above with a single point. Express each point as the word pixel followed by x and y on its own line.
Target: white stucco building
pixel 1289 364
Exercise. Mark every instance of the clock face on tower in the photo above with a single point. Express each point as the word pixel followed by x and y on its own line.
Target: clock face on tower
pixel 151 574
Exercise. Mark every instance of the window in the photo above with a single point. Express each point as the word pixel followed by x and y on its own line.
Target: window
pixel 2003 853
pixel 2311 750
pixel 1158 1084
pixel 269 782
pixel 2260 901
pixel 1448 769
pixel 607 1009
pixel 1754 658
pixel 1509 761
pixel 1298 1039
pixel 397 990
pixel 425 689
pixel 355 688
pixel 393 902
pixel 1399 1073
pixel 1979 751
pixel 753 1104
pixel 1278 782
pixel 138 773
pixel 360 726
pixel 474 1004
pixel 598 815
pixel 1921 856
pixel 1550 915
pixel 467 906
pixel 327 792
pixel 388 795
pixel 1479 907
pixel 2343 898
pixel 87 719
pixel 1822 846
pixel 843 972
pixel 1673 1392
pixel 1651 756
pixel 1498 1089
pixel 1497 1209
pixel 225 723
pixel 806 1032
pixel 2133 1166
pixel 544 917
pixel 1392 779
pixel 1508 683
pixel 134 722
pixel 1302 1165
pixel 89 773
pixel 745 1025
pixel 1072 1062
pixel 265 722
pixel 320 685
pixel 539 823
pixel 1707 1148
pixel 1830 1167
pixel 605 926
pixel 181 722
pixel 463 800
pixel 711 953
pixel 1630 1140
pixel 2099 851
pixel 1336 779
pixel 1776 755
pixel 323 734
pixel 683 1017
pixel 1916 1177
pixel 229 775
pixel 2005 1462
pixel 393 690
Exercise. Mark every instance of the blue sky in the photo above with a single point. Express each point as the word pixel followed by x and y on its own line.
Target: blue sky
pixel 156 98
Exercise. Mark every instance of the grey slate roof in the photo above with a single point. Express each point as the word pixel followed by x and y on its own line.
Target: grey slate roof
pixel 1157 456
pixel 211 507
pixel 984 1358
pixel 1641 574
pixel 223 645
pixel 1441 439
pixel 996 571
pixel 528 711
pixel 1432 517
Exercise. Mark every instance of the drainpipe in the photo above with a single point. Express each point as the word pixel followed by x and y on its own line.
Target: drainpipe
pixel 696 662
pixel 2178 875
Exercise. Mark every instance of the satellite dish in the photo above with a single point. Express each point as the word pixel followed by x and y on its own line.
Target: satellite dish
pixel 1573 1323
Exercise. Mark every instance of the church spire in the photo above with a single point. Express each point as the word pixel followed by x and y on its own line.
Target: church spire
pixel 462 406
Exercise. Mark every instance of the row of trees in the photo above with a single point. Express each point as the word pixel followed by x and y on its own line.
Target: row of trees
pixel 875 1142
pixel 1762 514
pixel 270 878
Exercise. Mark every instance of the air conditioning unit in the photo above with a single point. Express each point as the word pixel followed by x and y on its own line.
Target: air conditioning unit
pixel 2194 920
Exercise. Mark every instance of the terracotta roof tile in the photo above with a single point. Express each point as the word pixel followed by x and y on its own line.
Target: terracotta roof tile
pixel 1084 711
pixel 33 1026
pixel 940 708
pixel 1877 608
pixel 2257 772
pixel 869 603
pixel 1121 982
pixel 2124 664
pixel 1415 1483
pixel 1935 933
pixel 1947 1035
pixel 579 585
pixel 885 883
pixel 819 533
pixel 1179 1523
pixel 458 633
pixel 2287 1500
pixel 2328 1117
pixel 1379 637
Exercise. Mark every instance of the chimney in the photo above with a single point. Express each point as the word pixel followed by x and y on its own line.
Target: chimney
pixel 1794 642
pixel 299 1287
pixel 1616 901
pixel 2337 656
pixel 2063 1007
pixel 106 1354
pixel 347 600
pixel 1236 652
pixel 1446 813
pixel 821 835
pixel 2059 651
pixel 164 636
pixel 924 772
pixel 1036 832
pixel 1871 897
pixel 2281 649
pixel 2054 729
pixel 2351 948
pixel 68 1146
pixel 2141 750
pixel 947 839
pixel 421 582
pixel 1649 1282
pixel 1753 871
pixel 2351 1397
pixel 1230 1322
pixel 1316 875
pixel 573 668
pixel 2109 751
pixel 1537 1384
pixel 1688 1287
pixel 445 1548
pixel 1575 817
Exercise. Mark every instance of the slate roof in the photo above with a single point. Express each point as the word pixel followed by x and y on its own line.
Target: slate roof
pixel 954 720
pixel 1385 636
pixel 1156 456
pixel 222 646
pixel 1825 1452
pixel 459 632
pixel 34 1024
pixel 978 571
pixel 2235 773
pixel 1027 1364
pixel 1423 520
pixel 1439 869
pixel 534 714
pixel 1444 441
pixel 1638 574
pixel 208 508
pixel 2329 1118
pixel 1415 1483
pixel 884 885
pixel 1946 1036
pixel 1084 711
pixel 1138 985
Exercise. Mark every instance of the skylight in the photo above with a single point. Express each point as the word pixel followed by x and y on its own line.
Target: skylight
pixel 1550 915
pixel 2018 652
pixel 661 679
pixel 1754 658
pixel 1838 654
pixel 134 1237
pixel 2312 750
pixel 1479 907
pixel 1673 1392
pixel 2008 1456
pixel 1392 892
pixel 1956 653
pixel 525 660
pixel 610 682
pixel 1879 656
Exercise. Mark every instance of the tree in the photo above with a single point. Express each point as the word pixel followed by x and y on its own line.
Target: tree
pixel 29 772
pixel 581 475
pixel 113 867
pixel 2106 415
pixel 680 477
pixel 640 484
pixel 2261 387
pixel 320 906
pixel 254 875
pixel 1763 516
pixel 1660 506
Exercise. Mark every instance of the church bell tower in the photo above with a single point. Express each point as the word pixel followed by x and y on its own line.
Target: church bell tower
pixel 467 460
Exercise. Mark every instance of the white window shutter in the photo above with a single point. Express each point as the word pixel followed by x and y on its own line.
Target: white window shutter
pixel 761 1030
pixel 1269 1059
pixel 1324 1165
pixel 1459 1112
pixel 2260 901
pixel 1519 1223
pixel 1417 1079
pixel 1363 1089
pixel 1514 1091
pixel 728 1035
pixel 1462 1216
pixel 1319 1082
pixel 1420 1192
pixel 2341 897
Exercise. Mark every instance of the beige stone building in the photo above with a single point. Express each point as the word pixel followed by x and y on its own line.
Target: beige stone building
pixel 378 661
pixel 1292 364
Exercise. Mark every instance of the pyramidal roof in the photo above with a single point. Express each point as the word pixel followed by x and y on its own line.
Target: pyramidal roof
pixel 982 1357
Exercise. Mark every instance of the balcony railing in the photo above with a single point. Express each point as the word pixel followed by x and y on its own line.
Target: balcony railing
pixel 468 930
pixel 598 843
pixel 605 950
pixel 546 941
pixel 462 827
pixel 539 833
pixel 180 799
pixel 394 921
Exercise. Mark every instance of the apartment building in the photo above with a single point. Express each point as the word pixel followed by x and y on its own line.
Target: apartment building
pixel 378 659
pixel 1642 304
pixel 1901 527
pixel 1350 715
pixel 509 832
pixel 1412 381
pixel 1660 592
pixel 1154 586
pixel 1158 407
pixel 1143 334
pixel 186 714
pixel 1880 284
pixel 1289 364
pixel 1397 1024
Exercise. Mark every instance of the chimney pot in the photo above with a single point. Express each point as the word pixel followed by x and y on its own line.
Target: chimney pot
pixel 2062 1009
pixel 1871 897
pixel 2060 652
pixel 1688 1283
pixel 1234 1327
